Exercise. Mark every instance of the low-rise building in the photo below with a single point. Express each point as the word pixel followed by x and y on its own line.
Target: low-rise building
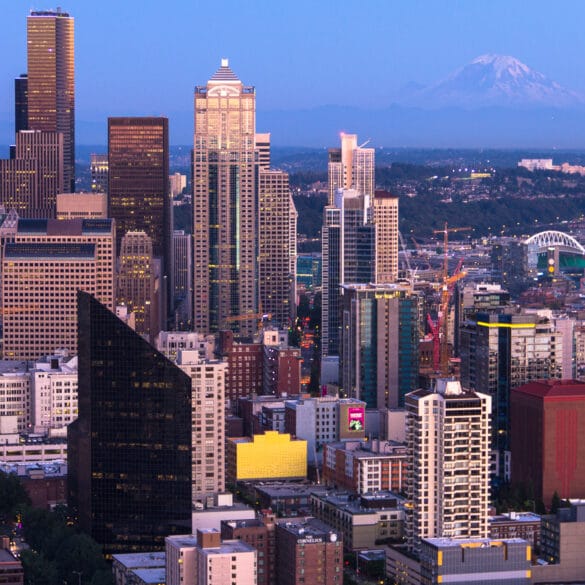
pixel 364 521
pixel 265 457
pixel 124 565
pixel 524 525
pixel 363 467
pixel 205 559
pixel 308 553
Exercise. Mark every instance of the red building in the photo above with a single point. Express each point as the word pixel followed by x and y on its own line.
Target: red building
pixel 308 553
pixel 547 420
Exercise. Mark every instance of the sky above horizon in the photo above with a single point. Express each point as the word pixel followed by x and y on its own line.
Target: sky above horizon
pixel 144 58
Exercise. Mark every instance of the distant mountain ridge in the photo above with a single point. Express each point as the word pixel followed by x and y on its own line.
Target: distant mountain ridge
pixel 492 80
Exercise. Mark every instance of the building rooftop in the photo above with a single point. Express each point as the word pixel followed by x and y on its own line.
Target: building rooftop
pixel 37 251
pixel 472 542
pixel 289 490
pixel 553 389
pixel 64 227
pixel 310 530
pixel 141 560
pixel 224 73
pixel 229 546
pixel 515 517
pixel 154 576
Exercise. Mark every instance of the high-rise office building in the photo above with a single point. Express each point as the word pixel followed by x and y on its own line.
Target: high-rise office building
pixel 182 276
pixel 351 167
pixel 45 262
pixel 129 456
pixel 379 353
pixel 136 283
pixel 31 180
pixel 276 257
pixel 225 205
pixel 98 168
pixel 138 177
pixel 51 81
pixel 448 436
pixel 21 103
pixel 503 350
pixel 348 251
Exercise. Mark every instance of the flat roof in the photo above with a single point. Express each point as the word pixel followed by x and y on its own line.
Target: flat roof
pixel 152 576
pixel 472 542
pixel 141 560
pixel 229 546
pixel 553 389
pixel 42 251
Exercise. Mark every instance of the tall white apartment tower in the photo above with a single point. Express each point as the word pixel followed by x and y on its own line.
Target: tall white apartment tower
pixel 448 437
pixel 351 167
pixel 208 434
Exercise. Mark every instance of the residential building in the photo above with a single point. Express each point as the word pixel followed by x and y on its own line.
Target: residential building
pixel 448 436
pixel 51 82
pixel 308 552
pixel 260 535
pixel 208 423
pixel 379 353
pixel 351 167
pixel 348 252
pixel 385 219
pixel 547 425
pixel 169 343
pixel 276 257
pixel 129 459
pixel 178 183
pixel 524 525
pixel 125 565
pixel 264 457
pixel 225 213
pixel 366 467
pixel 205 559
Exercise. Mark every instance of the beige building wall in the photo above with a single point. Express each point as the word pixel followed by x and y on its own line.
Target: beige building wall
pixel 82 206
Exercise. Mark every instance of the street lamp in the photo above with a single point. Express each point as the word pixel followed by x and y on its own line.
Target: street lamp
pixel 78 573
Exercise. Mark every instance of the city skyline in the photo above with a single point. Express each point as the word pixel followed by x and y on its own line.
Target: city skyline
pixel 379 51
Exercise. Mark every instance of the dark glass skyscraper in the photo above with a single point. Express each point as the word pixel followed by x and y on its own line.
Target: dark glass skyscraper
pixel 51 81
pixel 21 103
pixel 130 449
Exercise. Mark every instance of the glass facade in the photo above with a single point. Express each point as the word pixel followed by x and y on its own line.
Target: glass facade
pixel 130 449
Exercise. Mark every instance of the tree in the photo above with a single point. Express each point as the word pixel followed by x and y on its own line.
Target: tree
pixel 13 496
pixel 78 553
pixel 38 570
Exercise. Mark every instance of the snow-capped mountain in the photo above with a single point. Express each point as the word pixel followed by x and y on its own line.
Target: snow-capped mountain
pixel 493 80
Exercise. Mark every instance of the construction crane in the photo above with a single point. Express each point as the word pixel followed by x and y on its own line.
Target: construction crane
pixel 440 329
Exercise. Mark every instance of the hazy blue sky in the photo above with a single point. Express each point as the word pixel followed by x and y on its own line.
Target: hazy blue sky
pixel 141 58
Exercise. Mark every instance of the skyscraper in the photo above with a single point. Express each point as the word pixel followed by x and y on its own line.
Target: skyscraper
pixel 502 350
pixel 224 204
pixel 379 353
pixel 276 255
pixel 31 180
pixel 448 437
pixel 21 103
pixel 348 251
pixel 351 167
pixel 138 176
pixel 51 81
pixel 136 283
pixel 385 219
pixel 130 449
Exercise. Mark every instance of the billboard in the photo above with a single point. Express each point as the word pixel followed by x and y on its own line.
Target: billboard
pixel 352 421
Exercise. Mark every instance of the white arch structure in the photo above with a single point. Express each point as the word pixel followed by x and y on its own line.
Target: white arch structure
pixel 551 239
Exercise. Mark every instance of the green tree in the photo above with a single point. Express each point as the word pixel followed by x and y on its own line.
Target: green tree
pixel 38 570
pixel 13 496
pixel 78 553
